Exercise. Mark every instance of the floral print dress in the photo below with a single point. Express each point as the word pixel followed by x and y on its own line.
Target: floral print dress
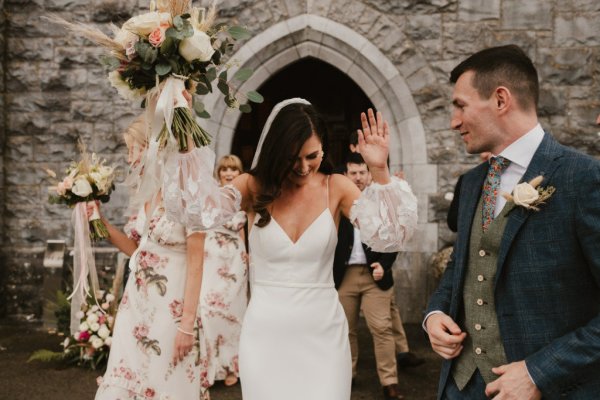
pixel 140 363
pixel 224 296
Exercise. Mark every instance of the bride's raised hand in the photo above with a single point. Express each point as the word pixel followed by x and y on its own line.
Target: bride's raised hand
pixel 373 141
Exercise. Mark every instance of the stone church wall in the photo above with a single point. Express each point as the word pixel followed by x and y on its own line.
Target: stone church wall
pixel 54 90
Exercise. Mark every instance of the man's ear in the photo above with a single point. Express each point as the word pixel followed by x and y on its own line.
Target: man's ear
pixel 503 98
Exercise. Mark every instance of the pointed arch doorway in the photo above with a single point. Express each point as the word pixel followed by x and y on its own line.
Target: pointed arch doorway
pixel 337 98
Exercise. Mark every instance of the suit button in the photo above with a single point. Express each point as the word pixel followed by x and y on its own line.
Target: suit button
pixel 478 351
pixel 477 327
pixel 480 278
pixel 482 253
pixel 479 302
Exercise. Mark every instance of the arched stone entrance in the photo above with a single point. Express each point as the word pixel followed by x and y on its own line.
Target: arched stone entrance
pixel 309 35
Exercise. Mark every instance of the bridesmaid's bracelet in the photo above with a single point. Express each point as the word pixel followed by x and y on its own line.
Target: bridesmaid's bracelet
pixel 184 332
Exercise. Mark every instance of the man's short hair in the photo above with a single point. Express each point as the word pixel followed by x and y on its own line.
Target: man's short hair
pixel 507 66
pixel 353 139
pixel 355 158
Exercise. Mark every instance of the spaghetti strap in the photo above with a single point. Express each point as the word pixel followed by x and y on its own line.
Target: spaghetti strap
pixel 327 184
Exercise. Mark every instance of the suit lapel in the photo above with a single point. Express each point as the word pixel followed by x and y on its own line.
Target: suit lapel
pixel 544 162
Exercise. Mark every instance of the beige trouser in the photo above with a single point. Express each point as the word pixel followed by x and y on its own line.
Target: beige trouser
pixel 358 288
pixel 397 329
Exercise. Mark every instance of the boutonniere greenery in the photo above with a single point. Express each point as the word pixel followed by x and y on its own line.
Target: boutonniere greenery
pixel 530 195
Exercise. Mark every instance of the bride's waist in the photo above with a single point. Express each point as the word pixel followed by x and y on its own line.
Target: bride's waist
pixel 287 284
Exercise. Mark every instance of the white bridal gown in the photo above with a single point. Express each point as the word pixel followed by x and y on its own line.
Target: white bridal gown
pixel 294 340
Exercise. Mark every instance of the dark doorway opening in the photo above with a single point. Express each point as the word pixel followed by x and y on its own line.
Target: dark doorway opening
pixel 337 98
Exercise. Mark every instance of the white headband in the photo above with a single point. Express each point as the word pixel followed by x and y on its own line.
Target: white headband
pixel 274 112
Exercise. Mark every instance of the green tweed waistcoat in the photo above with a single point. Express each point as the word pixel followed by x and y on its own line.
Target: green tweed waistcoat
pixel 483 348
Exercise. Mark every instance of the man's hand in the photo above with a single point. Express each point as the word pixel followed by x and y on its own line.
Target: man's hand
pixel 445 335
pixel 377 271
pixel 514 382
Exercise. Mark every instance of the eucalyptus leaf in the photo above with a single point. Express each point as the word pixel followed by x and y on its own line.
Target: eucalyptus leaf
pixel 188 30
pixel 198 107
pixel 223 76
pixel 204 114
pixel 211 74
pixel 255 97
pixel 223 87
pixel 243 74
pixel 246 108
pixel 110 62
pixel 168 46
pixel 239 33
pixel 178 23
pixel 151 55
pixel 162 68
pixel 201 89
pixel 174 33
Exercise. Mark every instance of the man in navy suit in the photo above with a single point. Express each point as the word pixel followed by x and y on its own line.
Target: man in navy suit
pixel 517 312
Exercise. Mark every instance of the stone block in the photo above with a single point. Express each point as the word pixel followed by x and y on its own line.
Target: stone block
pixel 463 39
pixel 478 10
pixel 422 177
pixel 424 27
pixel 532 15
pixel 30 49
pixel 18 148
pixel 318 7
pixel 569 66
pixel 577 30
pixel 424 239
pixel 23 77
pixel 295 7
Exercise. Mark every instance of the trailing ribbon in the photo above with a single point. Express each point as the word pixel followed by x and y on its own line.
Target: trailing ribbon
pixel 83 264
pixel 147 177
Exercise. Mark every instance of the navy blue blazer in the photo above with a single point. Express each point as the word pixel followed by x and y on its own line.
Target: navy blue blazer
pixel 547 285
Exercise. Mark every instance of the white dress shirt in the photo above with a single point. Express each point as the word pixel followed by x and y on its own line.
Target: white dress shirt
pixel 520 153
pixel 357 256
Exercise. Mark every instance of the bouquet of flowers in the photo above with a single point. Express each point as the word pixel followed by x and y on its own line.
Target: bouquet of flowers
pixel 86 182
pixel 90 344
pixel 161 53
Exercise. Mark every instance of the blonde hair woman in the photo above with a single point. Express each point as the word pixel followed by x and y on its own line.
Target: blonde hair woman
pixel 224 286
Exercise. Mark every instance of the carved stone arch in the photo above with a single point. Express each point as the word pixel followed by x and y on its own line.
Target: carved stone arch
pixel 310 35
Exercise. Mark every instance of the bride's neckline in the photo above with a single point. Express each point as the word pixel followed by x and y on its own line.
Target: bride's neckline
pixel 324 212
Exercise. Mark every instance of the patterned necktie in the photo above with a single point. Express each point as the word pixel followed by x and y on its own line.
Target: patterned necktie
pixel 491 187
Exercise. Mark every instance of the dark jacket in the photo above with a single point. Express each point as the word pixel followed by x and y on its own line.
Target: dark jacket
pixel 344 249
pixel 547 284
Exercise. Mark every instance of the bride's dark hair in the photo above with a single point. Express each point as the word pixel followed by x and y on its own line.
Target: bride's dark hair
pixel 292 126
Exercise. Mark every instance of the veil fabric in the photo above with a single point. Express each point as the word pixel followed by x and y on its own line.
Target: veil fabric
pixel 278 107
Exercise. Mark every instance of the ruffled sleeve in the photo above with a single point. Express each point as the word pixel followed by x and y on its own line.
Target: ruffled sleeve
pixel 191 195
pixel 386 215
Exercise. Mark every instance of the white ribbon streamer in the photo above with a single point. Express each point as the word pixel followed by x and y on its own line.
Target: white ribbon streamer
pixel 83 264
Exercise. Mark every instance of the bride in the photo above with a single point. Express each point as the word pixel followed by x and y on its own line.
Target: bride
pixel 294 340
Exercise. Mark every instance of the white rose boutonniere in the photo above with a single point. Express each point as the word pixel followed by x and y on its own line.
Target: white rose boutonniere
pixel 529 195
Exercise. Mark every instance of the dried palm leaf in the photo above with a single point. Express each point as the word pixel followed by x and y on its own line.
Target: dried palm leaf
pixel 90 33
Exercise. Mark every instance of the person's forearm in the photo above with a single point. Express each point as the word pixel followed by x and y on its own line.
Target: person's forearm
pixel 193 279
pixel 380 175
pixel 119 239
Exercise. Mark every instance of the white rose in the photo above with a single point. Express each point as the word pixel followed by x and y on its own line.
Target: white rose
pixel 197 47
pixel 81 187
pixel 103 332
pixel 110 297
pixel 92 318
pixel 123 87
pixel 94 308
pixel 126 38
pixel 108 341
pixel 83 327
pixel 524 195
pixel 97 343
pixel 94 327
pixel 79 314
pixel 146 23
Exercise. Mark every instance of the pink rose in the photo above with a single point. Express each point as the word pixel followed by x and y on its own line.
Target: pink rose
pixel 83 336
pixel 60 189
pixel 157 37
pixel 149 392
pixel 68 182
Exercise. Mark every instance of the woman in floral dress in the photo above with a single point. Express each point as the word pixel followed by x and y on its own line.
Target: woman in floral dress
pixel 156 351
pixel 224 293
